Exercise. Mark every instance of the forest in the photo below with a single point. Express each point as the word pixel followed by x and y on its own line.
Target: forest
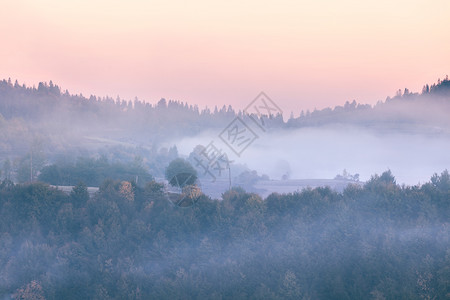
pixel 377 241
pixel 72 124
pixel 45 126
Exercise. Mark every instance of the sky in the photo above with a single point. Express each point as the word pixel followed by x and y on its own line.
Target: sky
pixel 303 54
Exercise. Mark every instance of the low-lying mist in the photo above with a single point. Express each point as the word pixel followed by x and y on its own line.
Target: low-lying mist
pixel 324 152
pixel 127 240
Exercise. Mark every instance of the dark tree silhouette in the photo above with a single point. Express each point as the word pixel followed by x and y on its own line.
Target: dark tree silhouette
pixel 180 173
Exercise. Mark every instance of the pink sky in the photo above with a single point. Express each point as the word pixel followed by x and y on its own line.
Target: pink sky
pixel 303 54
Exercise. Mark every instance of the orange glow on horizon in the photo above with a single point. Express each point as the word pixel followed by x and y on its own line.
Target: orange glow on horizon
pixel 304 54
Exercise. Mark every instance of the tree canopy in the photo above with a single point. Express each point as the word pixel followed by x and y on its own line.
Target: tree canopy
pixel 379 240
pixel 180 173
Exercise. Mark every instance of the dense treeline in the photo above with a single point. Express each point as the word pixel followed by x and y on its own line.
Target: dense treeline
pixel 45 125
pixel 117 162
pixel 20 101
pixel 67 121
pixel 44 107
pixel 378 241
pixel 93 171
